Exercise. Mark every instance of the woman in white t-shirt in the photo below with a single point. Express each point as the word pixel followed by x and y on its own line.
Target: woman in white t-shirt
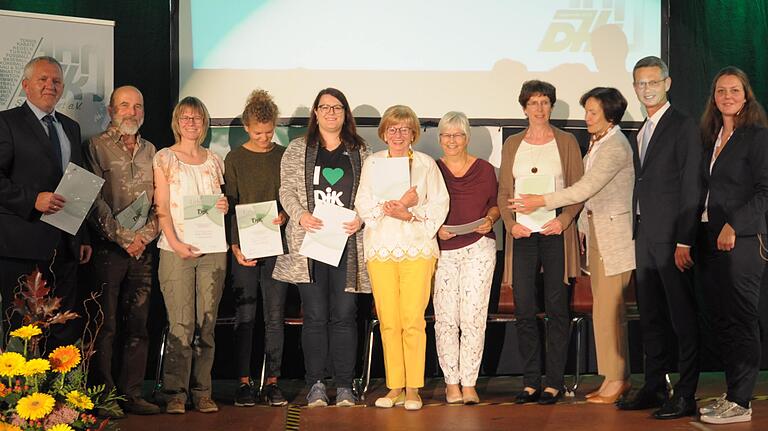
pixel 541 152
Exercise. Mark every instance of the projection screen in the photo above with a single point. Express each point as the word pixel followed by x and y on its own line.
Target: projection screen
pixel 434 56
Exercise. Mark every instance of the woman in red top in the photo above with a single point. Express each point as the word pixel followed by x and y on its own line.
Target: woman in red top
pixel 467 259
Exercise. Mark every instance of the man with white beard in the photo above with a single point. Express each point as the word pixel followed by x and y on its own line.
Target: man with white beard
pixel 122 267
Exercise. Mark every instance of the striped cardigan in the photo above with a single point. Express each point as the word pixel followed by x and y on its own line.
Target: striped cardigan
pixel 296 171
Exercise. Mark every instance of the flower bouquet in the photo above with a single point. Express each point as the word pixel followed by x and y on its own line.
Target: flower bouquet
pixel 46 393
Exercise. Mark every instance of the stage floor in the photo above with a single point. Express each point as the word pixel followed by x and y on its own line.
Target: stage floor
pixel 496 412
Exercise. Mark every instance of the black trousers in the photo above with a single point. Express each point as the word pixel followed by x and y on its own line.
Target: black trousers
pixel 667 305
pixel 126 286
pixel 60 274
pixel 731 284
pixel 529 255
pixel 246 282
pixel 329 335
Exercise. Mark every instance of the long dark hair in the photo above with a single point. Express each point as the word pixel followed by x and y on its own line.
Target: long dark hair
pixel 751 114
pixel 349 134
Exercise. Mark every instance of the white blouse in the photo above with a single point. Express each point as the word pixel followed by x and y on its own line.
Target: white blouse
pixel 388 238
pixel 187 180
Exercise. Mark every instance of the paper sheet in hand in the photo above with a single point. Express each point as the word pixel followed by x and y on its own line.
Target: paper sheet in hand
pixel 259 237
pixel 535 185
pixel 327 244
pixel 135 215
pixel 461 229
pixel 80 188
pixel 391 178
pixel 204 224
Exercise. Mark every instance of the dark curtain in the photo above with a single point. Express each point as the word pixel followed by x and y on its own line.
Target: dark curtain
pixel 707 35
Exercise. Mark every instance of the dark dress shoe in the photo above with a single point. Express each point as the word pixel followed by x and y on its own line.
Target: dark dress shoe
pixel 644 399
pixel 523 397
pixel 547 398
pixel 676 407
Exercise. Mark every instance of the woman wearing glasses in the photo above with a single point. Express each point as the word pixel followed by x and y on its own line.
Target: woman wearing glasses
pixel 465 268
pixel 191 282
pixel 324 166
pixel 400 251
pixel 543 151
pixel 606 190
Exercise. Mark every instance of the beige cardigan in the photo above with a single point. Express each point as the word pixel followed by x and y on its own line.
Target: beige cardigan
pixel 573 169
pixel 608 187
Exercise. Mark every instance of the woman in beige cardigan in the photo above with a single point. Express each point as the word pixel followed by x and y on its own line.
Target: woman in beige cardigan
pixel 606 189
pixel 541 150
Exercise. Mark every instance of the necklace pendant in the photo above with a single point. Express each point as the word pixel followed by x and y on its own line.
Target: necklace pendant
pixel 534 169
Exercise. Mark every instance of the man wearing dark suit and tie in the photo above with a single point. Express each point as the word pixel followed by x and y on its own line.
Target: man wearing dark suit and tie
pixel 667 155
pixel 36 144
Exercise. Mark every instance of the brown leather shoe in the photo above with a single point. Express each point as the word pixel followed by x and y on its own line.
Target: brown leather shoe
pixel 593 394
pixel 612 398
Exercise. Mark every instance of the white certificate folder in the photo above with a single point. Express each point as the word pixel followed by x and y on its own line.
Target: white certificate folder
pixel 327 244
pixel 259 237
pixel 535 185
pixel 204 224
pixel 391 177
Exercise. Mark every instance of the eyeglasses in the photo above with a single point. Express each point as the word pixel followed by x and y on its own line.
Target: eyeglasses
pixel 453 136
pixel 402 130
pixel 196 119
pixel 642 85
pixel 336 109
pixel 540 103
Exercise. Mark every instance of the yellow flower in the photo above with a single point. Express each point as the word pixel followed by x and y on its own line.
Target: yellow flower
pixel 8 427
pixel 64 358
pixel 60 427
pixel 35 366
pixel 79 401
pixel 27 332
pixel 11 364
pixel 35 406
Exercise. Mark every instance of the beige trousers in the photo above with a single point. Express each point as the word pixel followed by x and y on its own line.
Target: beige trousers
pixel 608 315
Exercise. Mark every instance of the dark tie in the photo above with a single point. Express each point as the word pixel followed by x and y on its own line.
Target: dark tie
pixel 53 135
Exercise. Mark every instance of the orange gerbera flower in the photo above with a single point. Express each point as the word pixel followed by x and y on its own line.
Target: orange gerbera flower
pixel 64 358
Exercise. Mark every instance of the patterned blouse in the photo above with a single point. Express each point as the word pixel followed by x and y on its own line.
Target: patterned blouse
pixel 187 180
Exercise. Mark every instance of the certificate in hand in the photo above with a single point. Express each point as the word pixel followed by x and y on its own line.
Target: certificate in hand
pixel 259 237
pixel 80 188
pixel 135 215
pixel 327 244
pixel 391 177
pixel 204 224
pixel 461 229
pixel 536 185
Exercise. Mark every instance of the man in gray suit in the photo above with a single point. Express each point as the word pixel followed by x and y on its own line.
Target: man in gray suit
pixel 667 153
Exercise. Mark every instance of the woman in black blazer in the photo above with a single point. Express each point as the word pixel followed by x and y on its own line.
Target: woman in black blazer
pixel 732 235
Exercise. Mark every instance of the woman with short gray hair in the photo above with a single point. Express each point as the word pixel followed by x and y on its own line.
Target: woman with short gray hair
pixel 467 259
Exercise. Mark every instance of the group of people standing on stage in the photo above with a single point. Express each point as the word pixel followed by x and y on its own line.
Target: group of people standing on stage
pixel 655 203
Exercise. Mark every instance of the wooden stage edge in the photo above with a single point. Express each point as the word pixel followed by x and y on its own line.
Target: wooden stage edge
pixel 496 411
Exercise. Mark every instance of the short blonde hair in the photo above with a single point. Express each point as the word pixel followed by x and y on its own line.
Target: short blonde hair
pixel 396 114
pixel 194 104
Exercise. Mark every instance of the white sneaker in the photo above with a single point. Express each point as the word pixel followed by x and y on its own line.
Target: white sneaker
pixel 714 405
pixel 728 413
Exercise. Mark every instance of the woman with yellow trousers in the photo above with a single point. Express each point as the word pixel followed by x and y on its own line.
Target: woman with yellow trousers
pixel 400 251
